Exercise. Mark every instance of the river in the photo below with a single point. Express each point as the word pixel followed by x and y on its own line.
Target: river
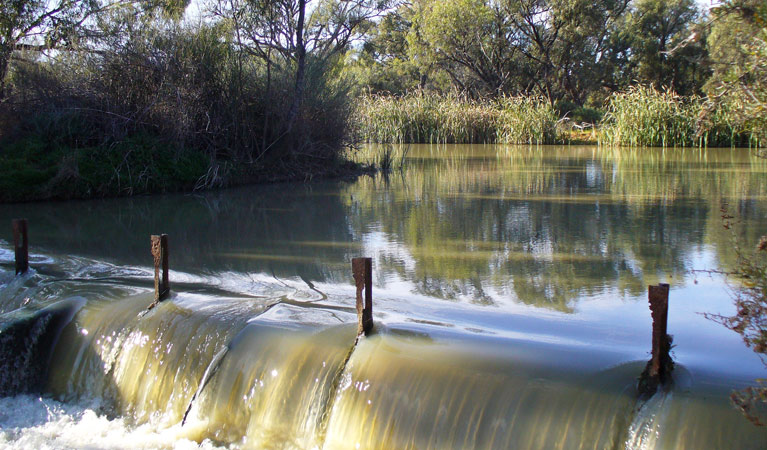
pixel 510 308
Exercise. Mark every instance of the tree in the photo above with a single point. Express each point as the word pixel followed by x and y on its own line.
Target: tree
pixel 567 43
pixel 738 87
pixel 738 51
pixel 38 25
pixel 284 33
pixel 665 50
pixel 382 63
pixel 558 48
pixel 473 42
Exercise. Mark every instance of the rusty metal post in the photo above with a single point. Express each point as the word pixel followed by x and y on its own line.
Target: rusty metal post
pixel 658 297
pixel 160 255
pixel 21 245
pixel 658 369
pixel 362 268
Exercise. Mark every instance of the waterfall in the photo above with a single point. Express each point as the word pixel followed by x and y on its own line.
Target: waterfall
pixel 27 338
pixel 264 374
pixel 649 421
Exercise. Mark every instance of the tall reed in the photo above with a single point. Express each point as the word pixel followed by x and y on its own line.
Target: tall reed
pixel 644 116
pixel 526 120
pixel 421 117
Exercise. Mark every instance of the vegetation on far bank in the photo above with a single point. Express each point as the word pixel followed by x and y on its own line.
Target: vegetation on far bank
pixel 451 119
pixel 642 116
pixel 662 73
pixel 106 98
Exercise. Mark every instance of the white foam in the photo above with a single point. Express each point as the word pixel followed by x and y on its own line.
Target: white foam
pixel 31 422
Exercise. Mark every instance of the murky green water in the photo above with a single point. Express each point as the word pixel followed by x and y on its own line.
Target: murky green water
pixel 510 301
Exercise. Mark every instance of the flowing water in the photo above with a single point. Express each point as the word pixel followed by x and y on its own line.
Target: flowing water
pixel 510 308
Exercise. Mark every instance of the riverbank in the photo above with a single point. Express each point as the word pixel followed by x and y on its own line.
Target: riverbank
pixel 172 108
pixel 30 171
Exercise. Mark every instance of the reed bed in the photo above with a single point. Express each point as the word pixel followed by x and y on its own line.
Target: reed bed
pixel 641 116
pixel 644 116
pixel 526 120
pixel 451 119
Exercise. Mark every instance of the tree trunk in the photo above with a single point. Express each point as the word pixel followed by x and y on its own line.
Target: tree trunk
pixel 268 100
pixel 5 59
pixel 300 66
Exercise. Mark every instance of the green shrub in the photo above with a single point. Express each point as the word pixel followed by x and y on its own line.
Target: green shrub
pixel 644 116
pixel 164 111
pixel 583 114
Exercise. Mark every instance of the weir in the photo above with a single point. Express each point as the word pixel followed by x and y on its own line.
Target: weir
pixel 275 385
pixel 27 339
pixel 265 373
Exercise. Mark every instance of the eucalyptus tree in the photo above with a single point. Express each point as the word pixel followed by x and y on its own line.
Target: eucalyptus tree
pixel 665 49
pixel 557 48
pixel 738 52
pixel 38 25
pixel 473 41
pixel 284 34
pixel 382 63
pixel 565 42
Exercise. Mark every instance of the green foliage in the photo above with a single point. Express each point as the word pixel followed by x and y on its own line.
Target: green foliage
pixel 666 50
pixel 738 85
pixel 34 168
pixel 35 25
pixel 429 118
pixel 170 108
pixel 750 319
pixel 586 115
pixel 646 117
pixel 738 89
pixel 526 120
pixel 468 41
pixel 563 49
pixel 578 114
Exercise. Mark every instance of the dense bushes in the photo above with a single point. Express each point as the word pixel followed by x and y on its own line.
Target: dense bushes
pixel 165 109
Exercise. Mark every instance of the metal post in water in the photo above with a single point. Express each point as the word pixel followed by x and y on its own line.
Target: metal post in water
pixel 160 255
pixel 659 368
pixel 362 268
pixel 658 297
pixel 21 245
